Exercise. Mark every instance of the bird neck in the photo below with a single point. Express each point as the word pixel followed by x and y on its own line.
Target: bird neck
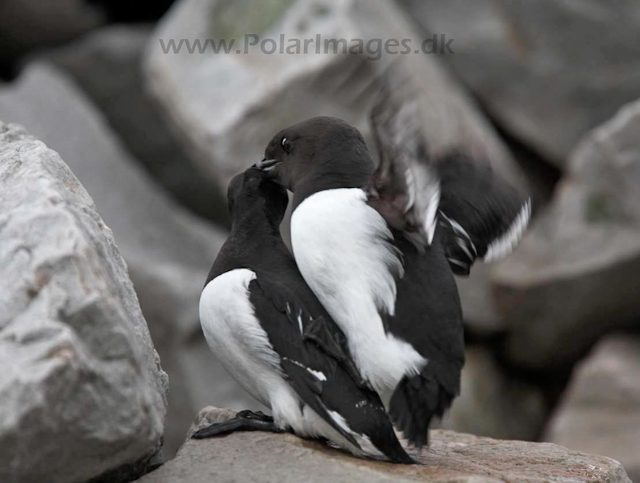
pixel 253 225
pixel 322 180
pixel 254 245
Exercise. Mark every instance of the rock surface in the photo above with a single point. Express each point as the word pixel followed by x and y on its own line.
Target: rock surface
pixel 168 251
pixel 81 385
pixel 601 410
pixel 31 24
pixel 452 457
pixel 92 62
pixel 548 71
pixel 228 106
pixel 574 276
pixel 495 403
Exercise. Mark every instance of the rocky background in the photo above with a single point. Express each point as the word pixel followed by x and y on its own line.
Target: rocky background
pixel 547 91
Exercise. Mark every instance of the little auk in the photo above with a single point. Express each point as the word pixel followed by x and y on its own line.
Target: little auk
pixel 367 244
pixel 273 336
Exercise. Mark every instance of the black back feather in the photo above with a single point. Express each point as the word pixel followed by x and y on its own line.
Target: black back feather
pixel 429 317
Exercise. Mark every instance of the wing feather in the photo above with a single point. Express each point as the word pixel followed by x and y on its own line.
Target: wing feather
pixel 482 216
pixel 405 192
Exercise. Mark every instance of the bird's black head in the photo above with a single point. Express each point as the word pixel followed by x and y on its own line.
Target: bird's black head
pixel 254 194
pixel 323 150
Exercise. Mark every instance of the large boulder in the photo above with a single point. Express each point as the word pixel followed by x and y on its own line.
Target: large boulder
pixel 574 276
pixel 92 62
pixel 168 251
pixel 31 24
pixel 226 106
pixel 547 71
pixel 451 457
pixel 120 11
pixel 496 403
pixel 81 387
pixel 601 409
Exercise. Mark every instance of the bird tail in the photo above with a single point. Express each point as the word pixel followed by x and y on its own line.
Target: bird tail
pixel 364 418
pixel 414 403
pixel 391 447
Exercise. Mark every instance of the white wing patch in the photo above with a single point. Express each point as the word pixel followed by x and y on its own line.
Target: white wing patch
pixel 423 196
pixel 427 199
pixel 423 184
pixel 504 245
pixel 342 247
pixel 461 232
pixel 362 439
pixel 300 322
pixel 411 189
pixel 319 375
pixel 430 215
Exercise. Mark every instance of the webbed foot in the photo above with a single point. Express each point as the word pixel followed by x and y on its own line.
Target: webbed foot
pixel 244 421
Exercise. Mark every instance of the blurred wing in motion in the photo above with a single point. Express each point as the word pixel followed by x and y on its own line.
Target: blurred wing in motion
pixel 404 190
pixel 481 214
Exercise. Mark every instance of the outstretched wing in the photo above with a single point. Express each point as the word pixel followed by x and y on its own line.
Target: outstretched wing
pixel 405 192
pixel 481 214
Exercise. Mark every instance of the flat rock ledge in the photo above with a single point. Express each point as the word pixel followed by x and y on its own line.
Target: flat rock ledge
pixel 452 457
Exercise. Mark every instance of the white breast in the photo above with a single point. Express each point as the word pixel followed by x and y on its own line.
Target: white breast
pixel 235 336
pixel 341 246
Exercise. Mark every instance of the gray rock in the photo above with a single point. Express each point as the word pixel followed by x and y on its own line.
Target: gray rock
pixel 478 308
pixel 81 387
pixel 548 71
pixel 452 457
pixel 228 106
pixel 29 24
pixel 494 403
pixel 168 251
pixel 574 276
pixel 93 63
pixel 601 409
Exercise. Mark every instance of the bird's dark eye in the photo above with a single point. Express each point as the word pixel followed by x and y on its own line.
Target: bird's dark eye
pixel 286 145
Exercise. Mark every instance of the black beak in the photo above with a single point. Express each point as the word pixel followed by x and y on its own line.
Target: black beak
pixel 266 164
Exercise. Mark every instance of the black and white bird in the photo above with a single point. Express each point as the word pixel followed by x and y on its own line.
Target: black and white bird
pixel 380 248
pixel 273 336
